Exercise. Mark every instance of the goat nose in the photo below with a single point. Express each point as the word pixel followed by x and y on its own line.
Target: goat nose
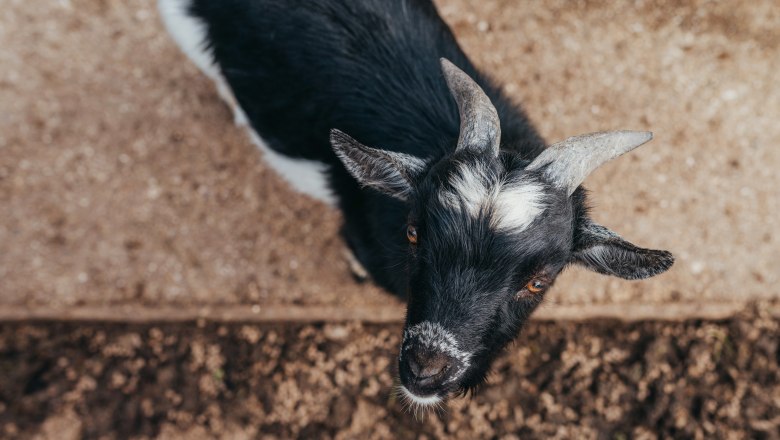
pixel 426 369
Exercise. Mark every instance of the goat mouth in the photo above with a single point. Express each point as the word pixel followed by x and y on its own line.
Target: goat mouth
pixel 423 401
pixel 419 405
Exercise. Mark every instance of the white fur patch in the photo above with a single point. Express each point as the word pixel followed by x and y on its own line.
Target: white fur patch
pixel 189 33
pixel 433 335
pixel 513 206
pixel 471 190
pixel 417 400
pixel 517 206
pixel 306 176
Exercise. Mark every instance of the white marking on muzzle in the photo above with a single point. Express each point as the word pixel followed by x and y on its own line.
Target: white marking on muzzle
pixel 433 335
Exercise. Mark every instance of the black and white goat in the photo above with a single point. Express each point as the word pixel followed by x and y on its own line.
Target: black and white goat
pixel 449 195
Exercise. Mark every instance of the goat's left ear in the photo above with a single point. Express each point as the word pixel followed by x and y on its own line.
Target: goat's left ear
pixel 603 251
pixel 390 172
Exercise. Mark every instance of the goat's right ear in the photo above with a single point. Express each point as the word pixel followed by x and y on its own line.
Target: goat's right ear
pixel 389 172
pixel 601 250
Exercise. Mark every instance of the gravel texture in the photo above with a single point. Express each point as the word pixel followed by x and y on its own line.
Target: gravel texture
pixel 605 380
pixel 123 181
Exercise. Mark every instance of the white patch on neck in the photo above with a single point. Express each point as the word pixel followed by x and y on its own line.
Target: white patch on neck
pixel 514 205
pixel 421 401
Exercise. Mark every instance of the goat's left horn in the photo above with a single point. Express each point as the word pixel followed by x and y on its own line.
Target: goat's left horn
pixel 569 162
pixel 480 130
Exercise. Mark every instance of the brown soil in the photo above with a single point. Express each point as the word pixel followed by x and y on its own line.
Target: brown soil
pixel 592 380
pixel 122 179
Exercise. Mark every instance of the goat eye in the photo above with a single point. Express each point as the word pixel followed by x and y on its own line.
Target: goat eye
pixel 536 285
pixel 411 234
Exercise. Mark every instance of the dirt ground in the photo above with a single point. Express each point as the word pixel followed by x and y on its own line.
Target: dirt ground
pixel 123 181
pixel 603 380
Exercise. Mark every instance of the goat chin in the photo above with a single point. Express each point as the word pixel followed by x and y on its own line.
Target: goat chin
pixel 418 400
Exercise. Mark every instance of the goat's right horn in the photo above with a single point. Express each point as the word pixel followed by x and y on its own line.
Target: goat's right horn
pixel 569 162
pixel 480 130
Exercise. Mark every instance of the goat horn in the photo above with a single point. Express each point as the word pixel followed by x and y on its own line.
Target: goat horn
pixel 568 163
pixel 480 130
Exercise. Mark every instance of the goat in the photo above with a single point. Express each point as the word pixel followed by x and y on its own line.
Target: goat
pixel 371 106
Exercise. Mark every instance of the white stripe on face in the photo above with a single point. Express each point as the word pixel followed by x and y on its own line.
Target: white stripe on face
pixel 470 189
pixel 517 206
pixel 514 205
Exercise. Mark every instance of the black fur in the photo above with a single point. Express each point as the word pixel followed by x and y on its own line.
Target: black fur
pixel 367 67
pixel 370 68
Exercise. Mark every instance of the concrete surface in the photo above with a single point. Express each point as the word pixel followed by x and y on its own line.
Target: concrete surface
pixel 123 181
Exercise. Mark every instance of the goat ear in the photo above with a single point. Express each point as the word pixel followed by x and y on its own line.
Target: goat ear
pixel 603 251
pixel 389 172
